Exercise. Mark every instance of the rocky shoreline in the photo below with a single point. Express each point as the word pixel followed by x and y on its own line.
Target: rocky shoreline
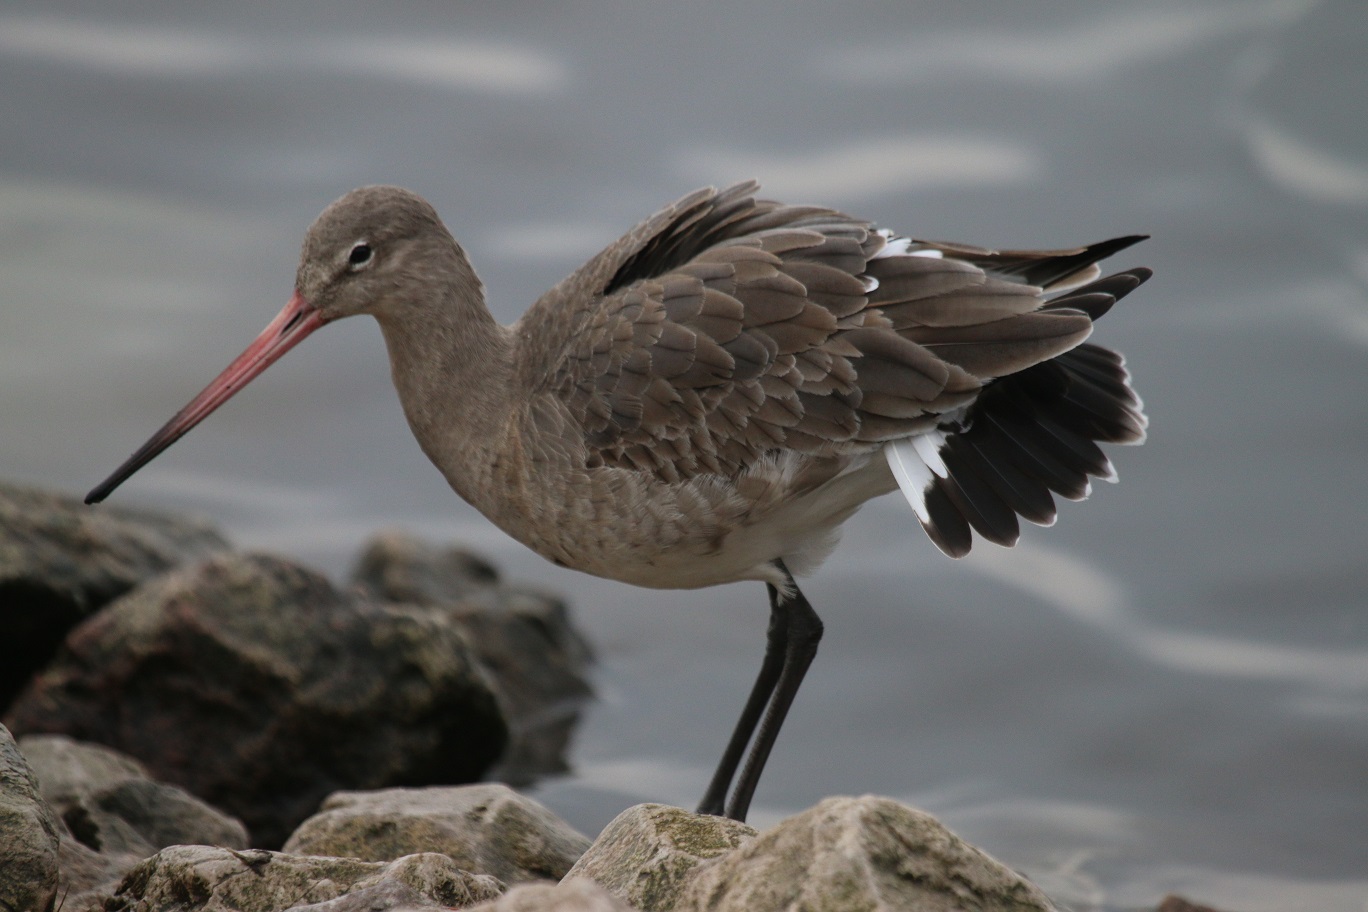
pixel 199 728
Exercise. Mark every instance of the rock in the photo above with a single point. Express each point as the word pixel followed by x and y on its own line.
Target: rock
pixel 110 805
pixel 536 658
pixel 396 567
pixel 69 770
pixel 1172 903
pixel 573 896
pixel 96 850
pixel 648 853
pixel 60 561
pixel 29 833
pixel 86 877
pixel 164 815
pixel 539 664
pixel 859 853
pixel 189 878
pixel 389 896
pixel 255 685
pixel 487 828
pixel 846 853
pixel 114 815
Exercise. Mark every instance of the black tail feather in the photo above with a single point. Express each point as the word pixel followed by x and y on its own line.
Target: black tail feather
pixel 1036 433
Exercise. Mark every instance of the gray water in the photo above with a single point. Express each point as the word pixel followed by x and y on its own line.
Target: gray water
pixel 1166 691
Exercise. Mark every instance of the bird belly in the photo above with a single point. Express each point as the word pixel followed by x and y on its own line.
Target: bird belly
pixel 622 525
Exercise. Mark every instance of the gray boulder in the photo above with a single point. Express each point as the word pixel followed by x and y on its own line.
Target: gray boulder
pixel 163 815
pixel 539 665
pixel 859 853
pixel 864 853
pixel 536 658
pixel 60 561
pixel 648 853
pixel 254 684
pixel 86 877
pixel 109 804
pixel 487 828
pixel 114 816
pixel 96 850
pixel 572 896
pixel 1175 903
pixel 69 770
pixel 29 833
pixel 397 567
pixel 191 878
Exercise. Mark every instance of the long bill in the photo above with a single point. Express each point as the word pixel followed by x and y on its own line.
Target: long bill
pixel 298 319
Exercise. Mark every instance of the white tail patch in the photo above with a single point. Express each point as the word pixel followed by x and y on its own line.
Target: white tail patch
pixel 900 246
pixel 913 470
pixel 912 474
pixel 893 246
pixel 928 448
pixel 1076 280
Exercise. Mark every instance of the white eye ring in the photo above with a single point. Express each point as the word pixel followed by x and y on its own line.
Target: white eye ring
pixel 361 255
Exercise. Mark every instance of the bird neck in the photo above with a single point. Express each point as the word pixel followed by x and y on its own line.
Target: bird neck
pixel 452 367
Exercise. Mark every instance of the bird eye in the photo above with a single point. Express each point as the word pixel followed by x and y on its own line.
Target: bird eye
pixel 360 254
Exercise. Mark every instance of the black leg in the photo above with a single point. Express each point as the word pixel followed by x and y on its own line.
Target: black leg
pixel 714 800
pixel 804 633
pixel 794 632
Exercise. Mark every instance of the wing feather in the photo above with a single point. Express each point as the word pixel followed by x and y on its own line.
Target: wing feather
pixel 725 328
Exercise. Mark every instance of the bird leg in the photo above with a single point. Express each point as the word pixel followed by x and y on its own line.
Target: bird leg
pixel 714 800
pixel 791 643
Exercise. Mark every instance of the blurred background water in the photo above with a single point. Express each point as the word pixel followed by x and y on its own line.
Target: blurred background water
pixel 1166 691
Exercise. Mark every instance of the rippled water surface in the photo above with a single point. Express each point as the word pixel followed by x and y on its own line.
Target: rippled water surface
pixel 1166 691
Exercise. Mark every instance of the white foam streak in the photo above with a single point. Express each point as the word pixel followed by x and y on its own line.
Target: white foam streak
pixel 1057 579
pixel 149 50
pixel 162 51
pixel 1091 597
pixel 451 64
pixel 1298 167
pixel 1091 47
pixel 872 167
